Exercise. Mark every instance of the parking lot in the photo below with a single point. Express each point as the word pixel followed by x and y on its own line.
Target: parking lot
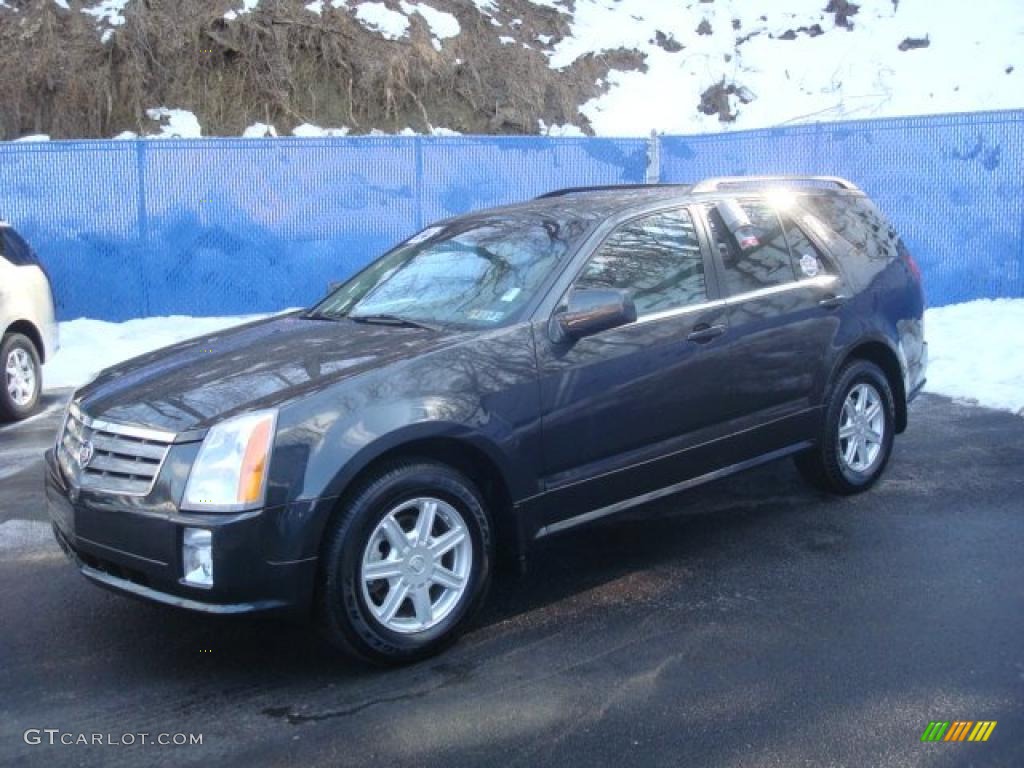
pixel 752 622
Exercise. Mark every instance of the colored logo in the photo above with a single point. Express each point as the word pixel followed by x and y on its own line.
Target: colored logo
pixel 958 730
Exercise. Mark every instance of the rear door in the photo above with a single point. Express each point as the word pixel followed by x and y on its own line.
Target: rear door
pixel 783 294
pixel 619 407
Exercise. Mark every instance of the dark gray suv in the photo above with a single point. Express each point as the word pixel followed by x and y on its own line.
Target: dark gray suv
pixel 497 378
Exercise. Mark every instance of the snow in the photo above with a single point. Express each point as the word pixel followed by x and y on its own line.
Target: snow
pixel 986 367
pixel 974 59
pixel 379 18
pixel 259 131
pixel 559 130
pixel 108 11
pixel 181 124
pixel 62 3
pixel 34 137
pixel 28 539
pixel 442 25
pixel 841 73
pixel 248 6
pixel 310 131
pixel 88 346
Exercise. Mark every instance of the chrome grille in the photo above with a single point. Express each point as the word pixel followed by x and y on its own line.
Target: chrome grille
pixel 118 458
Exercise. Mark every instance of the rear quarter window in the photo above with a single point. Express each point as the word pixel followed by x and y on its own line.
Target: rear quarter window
pixel 857 223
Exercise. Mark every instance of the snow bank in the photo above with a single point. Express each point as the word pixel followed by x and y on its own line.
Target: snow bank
pixel 310 131
pixel 27 539
pixel 89 346
pixel 977 352
pixel 987 368
pixel 794 62
pixel 259 131
pixel 180 123
pixel 769 64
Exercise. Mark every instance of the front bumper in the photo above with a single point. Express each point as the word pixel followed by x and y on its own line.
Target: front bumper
pixel 137 551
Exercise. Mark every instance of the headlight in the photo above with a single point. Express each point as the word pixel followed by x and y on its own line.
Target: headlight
pixel 63 421
pixel 230 472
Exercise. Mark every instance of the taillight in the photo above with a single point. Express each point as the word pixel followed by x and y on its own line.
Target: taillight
pixel 909 260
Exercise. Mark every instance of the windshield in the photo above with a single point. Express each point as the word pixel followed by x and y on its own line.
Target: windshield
pixel 476 273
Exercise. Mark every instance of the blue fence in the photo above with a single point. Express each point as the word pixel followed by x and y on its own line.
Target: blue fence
pixel 953 186
pixel 232 226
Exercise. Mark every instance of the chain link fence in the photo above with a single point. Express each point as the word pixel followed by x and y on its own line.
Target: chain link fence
pixel 953 185
pixel 234 226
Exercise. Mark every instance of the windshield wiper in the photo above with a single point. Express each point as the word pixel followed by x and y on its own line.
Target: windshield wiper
pixel 313 315
pixel 385 319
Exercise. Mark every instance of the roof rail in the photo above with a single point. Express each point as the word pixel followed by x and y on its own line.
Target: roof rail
pixel 604 187
pixel 716 183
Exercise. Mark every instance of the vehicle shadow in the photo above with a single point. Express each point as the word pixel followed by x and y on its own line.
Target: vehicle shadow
pixel 621 559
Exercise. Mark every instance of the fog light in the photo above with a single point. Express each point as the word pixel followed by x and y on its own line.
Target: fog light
pixel 197 555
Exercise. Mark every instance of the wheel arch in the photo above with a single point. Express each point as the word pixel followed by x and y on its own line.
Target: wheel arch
pixel 28 329
pixel 475 458
pixel 885 357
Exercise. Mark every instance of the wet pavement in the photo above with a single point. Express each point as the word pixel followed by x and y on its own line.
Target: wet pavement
pixel 751 622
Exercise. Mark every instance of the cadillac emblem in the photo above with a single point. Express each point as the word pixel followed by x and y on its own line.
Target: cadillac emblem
pixel 85 454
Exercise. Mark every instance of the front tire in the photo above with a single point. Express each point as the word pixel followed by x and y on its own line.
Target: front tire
pixel 857 433
pixel 21 377
pixel 405 564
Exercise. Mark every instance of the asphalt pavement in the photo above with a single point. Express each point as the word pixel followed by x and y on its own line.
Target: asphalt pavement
pixel 751 622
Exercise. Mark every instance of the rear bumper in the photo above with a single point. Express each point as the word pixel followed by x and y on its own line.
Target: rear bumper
pixel 138 553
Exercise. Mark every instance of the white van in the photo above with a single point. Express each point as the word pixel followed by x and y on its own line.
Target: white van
pixel 27 323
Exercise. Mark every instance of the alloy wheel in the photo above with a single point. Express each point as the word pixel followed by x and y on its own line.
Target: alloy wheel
pixel 416 565
pixel 861 428
pixel 21 376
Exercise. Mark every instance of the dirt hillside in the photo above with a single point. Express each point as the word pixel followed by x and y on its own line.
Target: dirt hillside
pixel 283 65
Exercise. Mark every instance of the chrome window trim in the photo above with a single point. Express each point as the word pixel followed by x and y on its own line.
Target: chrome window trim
pixel 821 281
pixel 664 314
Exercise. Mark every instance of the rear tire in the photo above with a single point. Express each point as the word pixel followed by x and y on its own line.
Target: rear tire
pixel 21 377
pixel 857 432
pixel 405 564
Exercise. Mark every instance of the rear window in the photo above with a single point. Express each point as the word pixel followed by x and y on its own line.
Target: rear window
pixel 15 249
pixel 857 222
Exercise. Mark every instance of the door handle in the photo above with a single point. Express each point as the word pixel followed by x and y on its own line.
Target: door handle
pixel 831 302
pixel 702 332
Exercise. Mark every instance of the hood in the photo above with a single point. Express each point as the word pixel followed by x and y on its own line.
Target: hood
pixel 196 383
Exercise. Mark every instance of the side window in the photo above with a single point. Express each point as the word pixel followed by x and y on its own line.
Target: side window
pixel 14 249
pixel 753 245
pixel 857 221
pixel 807 259
pixel 656 258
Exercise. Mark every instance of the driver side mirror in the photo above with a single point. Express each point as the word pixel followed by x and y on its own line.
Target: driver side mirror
pixel 590 311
